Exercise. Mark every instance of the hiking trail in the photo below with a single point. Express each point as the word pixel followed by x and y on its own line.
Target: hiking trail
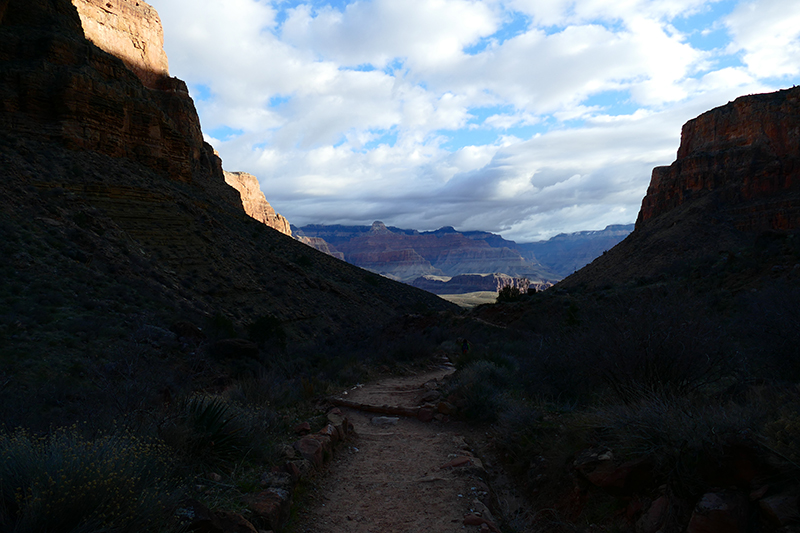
pixel 399 474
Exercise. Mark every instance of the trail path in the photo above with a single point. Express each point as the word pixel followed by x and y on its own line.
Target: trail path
pixel 389 478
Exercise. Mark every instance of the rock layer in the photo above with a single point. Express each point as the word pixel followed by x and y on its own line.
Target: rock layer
pixel 130 30
pixel 748 153
pixel 255 203
pixel 736 179
pixel 408 254
pixel 88 99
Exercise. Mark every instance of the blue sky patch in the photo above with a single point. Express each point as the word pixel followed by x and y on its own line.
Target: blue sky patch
pixel 704 30
pixel 225 133
pixel 200 93
pixel 612 102
pixel 517 24
pixel 388 138
pixel 278 100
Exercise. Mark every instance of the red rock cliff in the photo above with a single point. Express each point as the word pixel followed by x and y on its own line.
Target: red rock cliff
pixel 254 202
pixel 746 152
pixel 87 99
pixel 130 30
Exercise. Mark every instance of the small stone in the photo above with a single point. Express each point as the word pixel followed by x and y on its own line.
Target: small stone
pixel 720 512
pixel 458 462
pixel 384 421
pixel 311 450
pixel 446 408
pixel 425 414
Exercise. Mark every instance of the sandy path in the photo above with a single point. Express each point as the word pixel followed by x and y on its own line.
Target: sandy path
pixel 388 478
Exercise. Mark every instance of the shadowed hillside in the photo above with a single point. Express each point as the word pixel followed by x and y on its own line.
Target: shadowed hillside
pixel 119 231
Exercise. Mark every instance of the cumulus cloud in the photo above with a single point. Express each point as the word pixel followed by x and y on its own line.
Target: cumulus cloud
pixel 526 117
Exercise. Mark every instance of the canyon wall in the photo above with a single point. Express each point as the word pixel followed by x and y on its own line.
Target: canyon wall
pixel 90 100
pixel 130 30
pixel 255 203
pixel 748 153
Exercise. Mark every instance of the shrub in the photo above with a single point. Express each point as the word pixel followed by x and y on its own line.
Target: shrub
pixel 66 483
pixel 206 430
pixel 508 293
pixel 266 328
pixel 681 438
pixel 479 387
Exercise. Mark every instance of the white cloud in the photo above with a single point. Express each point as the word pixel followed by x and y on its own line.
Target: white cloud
pixel 767 32
pixel 377 111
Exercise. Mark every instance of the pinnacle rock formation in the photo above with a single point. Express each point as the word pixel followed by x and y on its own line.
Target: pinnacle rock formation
pixel 255 203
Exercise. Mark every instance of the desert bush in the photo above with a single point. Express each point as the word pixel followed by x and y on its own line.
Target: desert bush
pixel 508 293
pixel 480 388
pixel 768 326
pixel 67 483
pixel 682 438
pixel 780 434
pixel 207 431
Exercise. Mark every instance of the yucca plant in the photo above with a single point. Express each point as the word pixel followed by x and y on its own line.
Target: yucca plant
pixel 206 429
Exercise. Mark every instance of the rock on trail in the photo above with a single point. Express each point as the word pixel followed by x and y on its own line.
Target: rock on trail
pixel 400 474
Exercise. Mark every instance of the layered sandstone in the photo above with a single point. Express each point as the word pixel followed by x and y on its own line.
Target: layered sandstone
pixel 736 179
pixel 747 153
pixel 125 209
pixel 409 254
pixel 255 203
pixel 130 30
pixel 89 100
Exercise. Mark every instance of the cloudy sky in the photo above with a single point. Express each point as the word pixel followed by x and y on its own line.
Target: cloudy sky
pixel 522 117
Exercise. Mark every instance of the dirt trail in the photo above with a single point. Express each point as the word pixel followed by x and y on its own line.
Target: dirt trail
pixel 389 478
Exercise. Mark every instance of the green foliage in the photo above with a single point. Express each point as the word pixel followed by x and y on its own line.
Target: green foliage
pixel 206 430
pixel 508 293
pixel 67 483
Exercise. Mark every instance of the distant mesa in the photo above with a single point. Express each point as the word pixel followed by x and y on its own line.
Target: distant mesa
pixel 446 261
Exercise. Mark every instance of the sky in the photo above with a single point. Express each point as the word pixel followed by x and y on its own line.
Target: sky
pixel 526 118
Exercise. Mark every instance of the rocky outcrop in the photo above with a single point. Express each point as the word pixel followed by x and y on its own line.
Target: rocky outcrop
pixel 735 182
pixel 255 203
pixel 466 283
pixel 118 178
pixel 320 245
pixel 130 30
pixel 748 153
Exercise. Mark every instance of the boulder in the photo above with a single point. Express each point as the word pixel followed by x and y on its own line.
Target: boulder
pixel 780 510
pixel 720 512
pixel 271 507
